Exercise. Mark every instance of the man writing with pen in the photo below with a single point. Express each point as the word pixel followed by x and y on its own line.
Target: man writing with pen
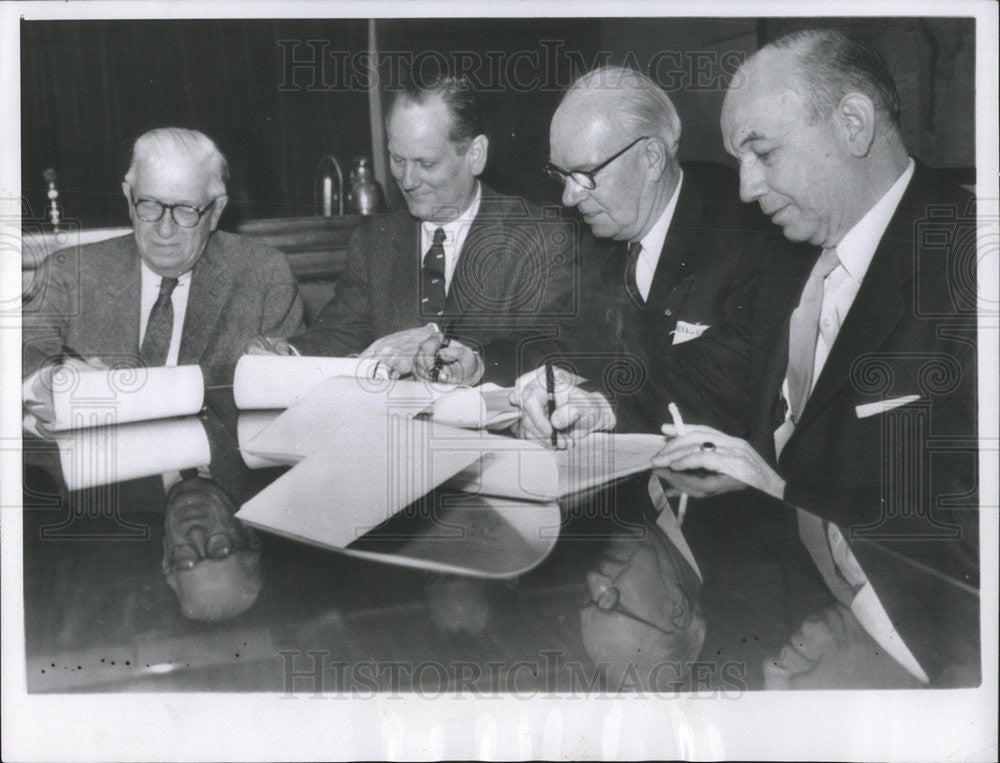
pixel 449 288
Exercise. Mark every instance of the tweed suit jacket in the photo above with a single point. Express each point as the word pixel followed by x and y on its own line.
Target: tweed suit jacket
pixel 86 301
pixel 509 287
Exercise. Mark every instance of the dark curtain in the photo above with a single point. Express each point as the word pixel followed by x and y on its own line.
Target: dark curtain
pixel 88 89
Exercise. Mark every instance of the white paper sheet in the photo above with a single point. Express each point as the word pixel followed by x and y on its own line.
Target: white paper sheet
pixel 277 381
pixel 123 395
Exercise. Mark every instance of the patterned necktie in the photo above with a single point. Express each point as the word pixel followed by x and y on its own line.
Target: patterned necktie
pixel 159 327
pixel 631 285
pixel 432 278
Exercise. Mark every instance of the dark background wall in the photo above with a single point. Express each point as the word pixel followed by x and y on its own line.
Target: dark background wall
pixel 278 94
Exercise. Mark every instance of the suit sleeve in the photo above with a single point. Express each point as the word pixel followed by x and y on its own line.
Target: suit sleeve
pixel 282 313
pixel 344 326
pixel 540 295
pixel 50 305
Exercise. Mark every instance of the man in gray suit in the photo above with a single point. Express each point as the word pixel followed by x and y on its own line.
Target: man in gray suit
pixel 175 292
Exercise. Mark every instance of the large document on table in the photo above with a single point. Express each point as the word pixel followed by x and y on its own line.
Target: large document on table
pixel 366 455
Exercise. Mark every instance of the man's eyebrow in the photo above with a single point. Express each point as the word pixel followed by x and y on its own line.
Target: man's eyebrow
pixel 750 138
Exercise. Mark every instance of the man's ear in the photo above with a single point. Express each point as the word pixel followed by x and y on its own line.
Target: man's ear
pixel 658 155
pixel 217 210
pixel 855 119
pixel 478 151
pixel 127 190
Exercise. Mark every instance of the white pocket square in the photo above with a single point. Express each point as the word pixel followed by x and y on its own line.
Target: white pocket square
pixel 881 406
pixel 685 332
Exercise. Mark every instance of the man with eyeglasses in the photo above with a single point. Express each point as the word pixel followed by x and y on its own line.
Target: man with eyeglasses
pixel 673 253
pixel 175 292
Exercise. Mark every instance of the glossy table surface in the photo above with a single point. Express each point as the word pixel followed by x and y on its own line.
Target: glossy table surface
pixel 100 617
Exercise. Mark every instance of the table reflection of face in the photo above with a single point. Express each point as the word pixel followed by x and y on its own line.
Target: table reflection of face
pixel 643 618
pixel 211 561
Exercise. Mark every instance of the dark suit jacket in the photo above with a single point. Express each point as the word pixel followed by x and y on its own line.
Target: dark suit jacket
pixel 706 276
pixel 901 484
pixel 88 300
pixel 512 277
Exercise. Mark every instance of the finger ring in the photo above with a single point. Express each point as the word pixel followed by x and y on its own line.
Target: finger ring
pixel 708 446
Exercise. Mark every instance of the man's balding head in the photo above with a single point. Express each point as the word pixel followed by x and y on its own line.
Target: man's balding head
pixel 605 112
pixel 813 120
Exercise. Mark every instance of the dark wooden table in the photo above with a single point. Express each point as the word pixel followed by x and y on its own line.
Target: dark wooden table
pixel 99 616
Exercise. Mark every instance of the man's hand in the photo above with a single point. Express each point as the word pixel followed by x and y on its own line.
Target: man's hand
pixel 732 462
pixel 447 361
pixel 39 410
pixel 398 350
pixel 269 345
pixel 577 412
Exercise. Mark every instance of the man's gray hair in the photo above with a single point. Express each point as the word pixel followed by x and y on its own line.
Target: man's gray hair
pixel 185 144
pixel 831 65
pixel 645 105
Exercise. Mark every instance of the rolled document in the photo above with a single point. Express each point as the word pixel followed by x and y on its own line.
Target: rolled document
pixel 103 455
pixel 278 381
pixel 248 425
pixel 123 395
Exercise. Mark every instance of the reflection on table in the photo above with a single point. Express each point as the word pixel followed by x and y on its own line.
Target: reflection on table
pixel 99 615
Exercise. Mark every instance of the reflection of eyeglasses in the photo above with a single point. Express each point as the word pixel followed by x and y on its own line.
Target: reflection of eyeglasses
pixel 585 178
pixel 621 609
pixel 218 546
pixel 186 216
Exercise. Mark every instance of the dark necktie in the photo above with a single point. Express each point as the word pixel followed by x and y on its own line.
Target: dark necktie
pixel 432 294
pixel 159 327
pixel 631 285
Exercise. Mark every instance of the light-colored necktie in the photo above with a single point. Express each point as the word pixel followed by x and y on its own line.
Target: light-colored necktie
pixel 802 332
pixel 803 329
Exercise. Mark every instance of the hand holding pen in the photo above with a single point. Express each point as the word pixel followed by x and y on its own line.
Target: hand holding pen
pixel 442 358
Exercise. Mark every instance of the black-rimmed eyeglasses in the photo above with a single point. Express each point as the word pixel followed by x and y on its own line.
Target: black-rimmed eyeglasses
pixel 186 216
pixel 585 178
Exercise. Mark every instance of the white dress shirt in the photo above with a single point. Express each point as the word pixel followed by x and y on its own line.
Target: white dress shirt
pixel 455 232
pixel 652 243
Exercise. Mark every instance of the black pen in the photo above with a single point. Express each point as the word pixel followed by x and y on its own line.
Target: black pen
pixel 445 341
pixel 550 405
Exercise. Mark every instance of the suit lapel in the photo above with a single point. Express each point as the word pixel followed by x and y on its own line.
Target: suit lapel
pixel 211 283
pixel 122 299
pixel 680 254
pixel 875 312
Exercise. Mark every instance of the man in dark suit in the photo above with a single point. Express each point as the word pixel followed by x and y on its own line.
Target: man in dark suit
pixel 175 292
pixel 463 260
pixel 864 371
pixel 673 253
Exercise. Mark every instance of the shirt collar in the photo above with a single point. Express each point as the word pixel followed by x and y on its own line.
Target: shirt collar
pixel 452 227
pixel 152 279
pixel 652 242
pixel 857 247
